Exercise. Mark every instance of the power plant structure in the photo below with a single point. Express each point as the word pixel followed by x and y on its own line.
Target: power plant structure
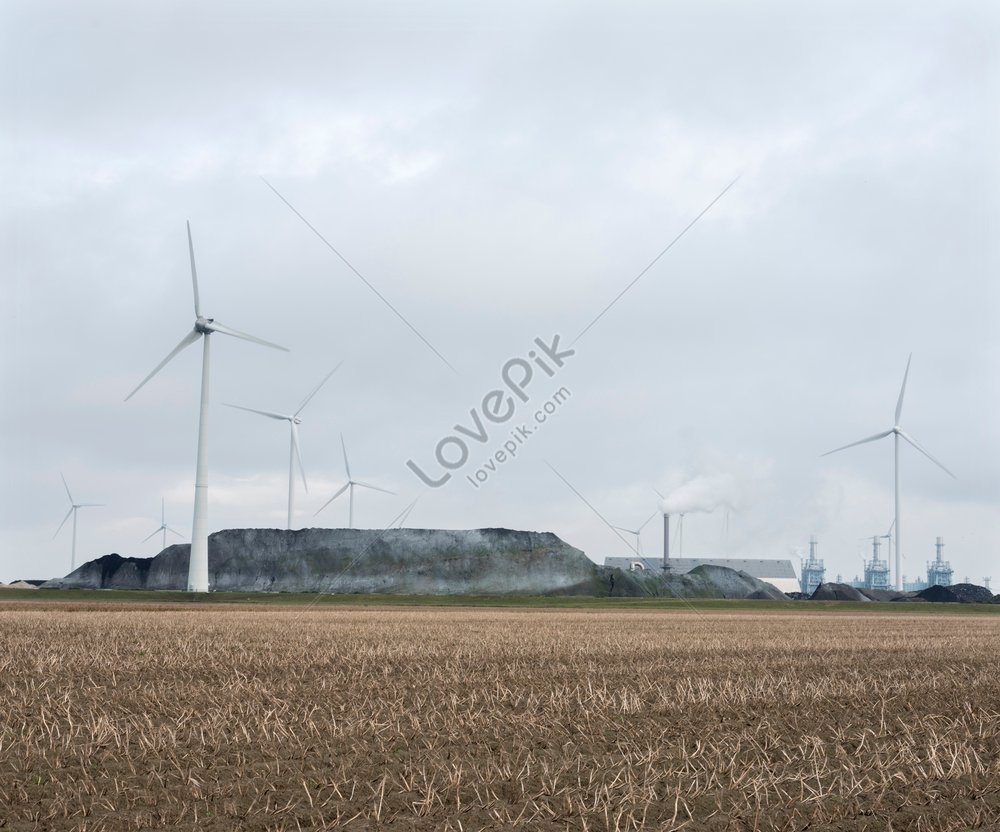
pixel 939 570
pixel 877 570
pixel 778 573
pixel 812 571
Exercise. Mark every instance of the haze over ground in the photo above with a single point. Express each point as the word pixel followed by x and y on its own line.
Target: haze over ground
pixel 500 174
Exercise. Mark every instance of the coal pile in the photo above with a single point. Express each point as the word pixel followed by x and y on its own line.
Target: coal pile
pixel 957 594
pixel 411 561
pixel 838 592
pixel 886 594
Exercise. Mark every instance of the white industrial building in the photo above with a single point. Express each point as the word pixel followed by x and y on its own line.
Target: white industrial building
pixel 778 573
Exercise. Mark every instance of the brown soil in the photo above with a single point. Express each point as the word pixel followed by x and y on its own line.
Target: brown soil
pixel 369 719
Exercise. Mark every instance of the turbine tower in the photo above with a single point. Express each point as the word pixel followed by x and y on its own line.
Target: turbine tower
pixel 203 328
pixel 349 486
pixel 637 532
pixel 163 526
pixel 897 432
pixel 73 506
pixel 294 452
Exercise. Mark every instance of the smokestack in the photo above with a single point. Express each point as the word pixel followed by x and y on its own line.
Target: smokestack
pixel 939 545
pixel 666 542
pixel 812 547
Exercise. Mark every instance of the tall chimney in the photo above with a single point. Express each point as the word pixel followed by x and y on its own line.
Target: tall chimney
pixel 812 547
pixel 939 546
pixel 666 542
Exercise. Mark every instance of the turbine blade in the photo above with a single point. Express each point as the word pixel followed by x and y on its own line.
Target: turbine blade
pixel 68 513
pixel 373 487
pixel 215 326
pixel 298 454
pixel 153 534
pixel 194 274
pixel 406 512
pixel 651 516
pixel 308 398
pixel 658 494
pixel 916 445
pixel 334 497
pixel 187 341
pixel 67 488
pixel 267 413
pixel 89 505
pixel 174 531
pixel 902 390
pixel 859 442
pixel 347 465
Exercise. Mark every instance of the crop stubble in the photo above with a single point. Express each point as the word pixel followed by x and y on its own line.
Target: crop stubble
pixel 371 718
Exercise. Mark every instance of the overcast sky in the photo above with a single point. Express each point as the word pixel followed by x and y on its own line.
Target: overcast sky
pixel 500 173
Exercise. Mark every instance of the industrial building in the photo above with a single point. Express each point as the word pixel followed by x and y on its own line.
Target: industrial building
pixel 939 570
pixel 812 570
pixel 876 569
pixel 779 573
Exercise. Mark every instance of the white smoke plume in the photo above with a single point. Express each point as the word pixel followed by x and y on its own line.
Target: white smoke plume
pixel 734 488
pixel 704 494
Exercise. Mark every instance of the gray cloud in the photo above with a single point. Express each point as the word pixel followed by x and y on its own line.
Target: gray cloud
pixel 501 175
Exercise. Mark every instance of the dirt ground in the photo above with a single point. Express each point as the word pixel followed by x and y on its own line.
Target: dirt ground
pixel 471 719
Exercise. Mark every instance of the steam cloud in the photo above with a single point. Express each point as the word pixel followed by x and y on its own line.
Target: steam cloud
pixel 706 494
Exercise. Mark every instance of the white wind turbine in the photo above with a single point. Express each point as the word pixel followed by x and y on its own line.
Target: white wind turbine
pixel 349 487
pixel 163 526
pixel 637 532
pixel 897 432
pixel 203 328
pixel 294 452
pixel 73 506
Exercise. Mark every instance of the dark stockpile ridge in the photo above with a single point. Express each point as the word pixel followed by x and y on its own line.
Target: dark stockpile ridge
pixel 405 561
pixel 957 594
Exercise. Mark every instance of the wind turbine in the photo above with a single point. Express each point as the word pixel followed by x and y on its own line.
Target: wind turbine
pixel 294 453
pixel 72 510
pixel 163 525
pixel 897 432
pixel 349 486
pixel 887 537
pixel 636 532
pixel 203 328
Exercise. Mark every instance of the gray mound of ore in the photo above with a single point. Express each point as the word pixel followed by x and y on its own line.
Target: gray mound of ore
pixel 957 594
pixel 404 561
pixel 838 592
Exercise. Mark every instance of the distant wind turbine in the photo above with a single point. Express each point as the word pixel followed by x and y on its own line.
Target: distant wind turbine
pixel 887 537
pixel 73 506
pixel 897 432
pixel 203 327
pixel 637 532
pixel 163 526
pixel 294 452
pixel 349 487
